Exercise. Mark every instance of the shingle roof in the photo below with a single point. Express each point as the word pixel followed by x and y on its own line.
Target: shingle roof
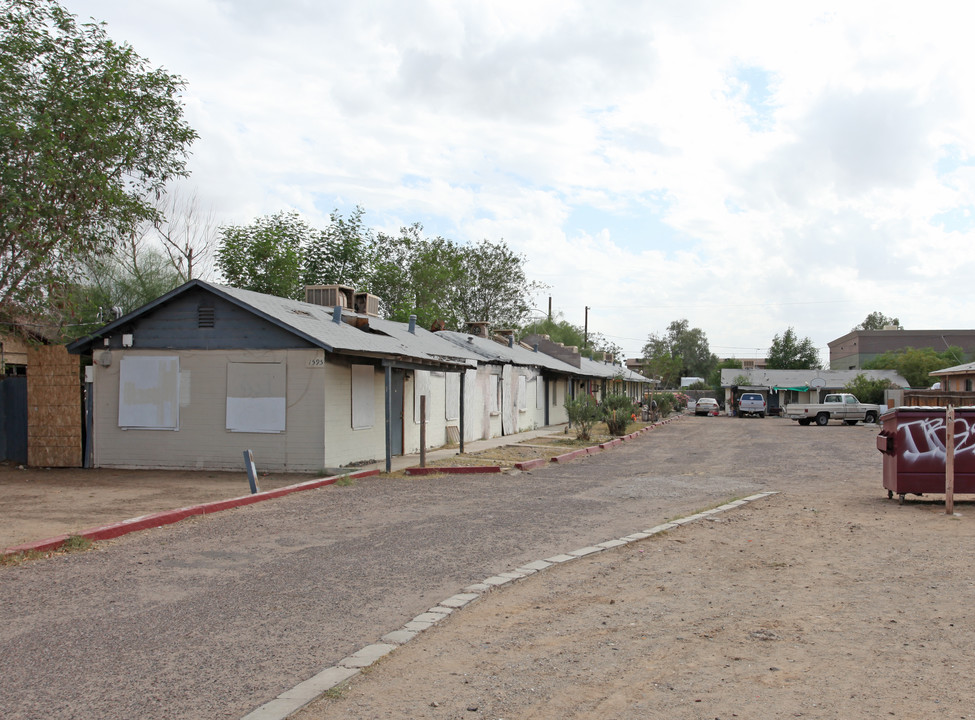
pixel 316 325
pixel 492 351
pixel 955 369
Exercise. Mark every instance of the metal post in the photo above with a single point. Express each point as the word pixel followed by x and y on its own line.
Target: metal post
pixel 950 460
pixel 423 431
pixel 463 378
pixel 251 471
pixel 389 412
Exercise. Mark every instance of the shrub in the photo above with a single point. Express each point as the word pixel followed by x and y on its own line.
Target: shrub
pixel 583 413
pixel 665 403
pixel 618 411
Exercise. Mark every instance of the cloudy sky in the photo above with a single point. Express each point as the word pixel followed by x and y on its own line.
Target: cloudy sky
pixel 748 166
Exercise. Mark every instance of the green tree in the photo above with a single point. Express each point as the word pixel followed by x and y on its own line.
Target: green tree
pixel 266 256
pixel 439 279
pixel 493 285
pixel 416 275
pixel 714 379
pixel 867 390
pixel 788 352
pixel 916 365
pixel 878 321
pixel 682 351
pixel 340 254
pixel 89 135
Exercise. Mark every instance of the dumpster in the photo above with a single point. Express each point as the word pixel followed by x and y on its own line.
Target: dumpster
pixel 912 440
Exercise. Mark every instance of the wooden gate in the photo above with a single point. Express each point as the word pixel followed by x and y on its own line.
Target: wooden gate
pixel 13 419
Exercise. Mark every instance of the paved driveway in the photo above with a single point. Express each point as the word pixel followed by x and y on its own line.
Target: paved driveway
pixel 214 616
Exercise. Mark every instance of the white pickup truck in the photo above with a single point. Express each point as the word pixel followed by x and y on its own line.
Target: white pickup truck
pixel 840 406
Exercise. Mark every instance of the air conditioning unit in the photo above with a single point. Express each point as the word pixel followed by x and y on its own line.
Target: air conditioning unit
pixel 478 328
pixel 329 295
pixel 367 304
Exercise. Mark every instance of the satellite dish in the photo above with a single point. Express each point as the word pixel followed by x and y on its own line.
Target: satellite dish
pixel 818 383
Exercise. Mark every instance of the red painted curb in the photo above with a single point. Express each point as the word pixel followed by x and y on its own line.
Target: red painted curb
pixel 531 464
pixel 168 517
pixel 461 470
pixel 569 456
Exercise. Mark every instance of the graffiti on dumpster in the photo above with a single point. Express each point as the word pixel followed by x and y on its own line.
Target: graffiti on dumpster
pixel 922 443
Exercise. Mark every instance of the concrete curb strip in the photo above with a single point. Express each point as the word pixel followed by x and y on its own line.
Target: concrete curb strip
pixel 289 702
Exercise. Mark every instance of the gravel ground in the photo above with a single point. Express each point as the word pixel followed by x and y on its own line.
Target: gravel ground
pixel 214 616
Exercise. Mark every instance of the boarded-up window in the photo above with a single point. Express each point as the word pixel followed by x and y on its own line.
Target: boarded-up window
pixel 363 397
pixel 421 386
pixel 148 393
pixel 494 389
pixel 540 392
pixel 452 392
pixel 522 393
pixel 256 397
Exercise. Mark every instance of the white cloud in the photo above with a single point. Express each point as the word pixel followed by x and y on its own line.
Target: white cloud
pixel 748 166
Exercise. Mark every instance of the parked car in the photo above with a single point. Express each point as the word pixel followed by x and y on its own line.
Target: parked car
pixel 706 406
pixel 751 404
pixel 838 406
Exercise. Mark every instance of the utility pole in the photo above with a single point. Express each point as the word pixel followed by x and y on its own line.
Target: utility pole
pixel 585 337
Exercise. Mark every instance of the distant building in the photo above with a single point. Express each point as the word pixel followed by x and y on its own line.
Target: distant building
pixel 750 363
pixel 852 350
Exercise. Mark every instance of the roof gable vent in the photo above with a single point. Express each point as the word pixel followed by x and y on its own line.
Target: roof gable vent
pixel 205 317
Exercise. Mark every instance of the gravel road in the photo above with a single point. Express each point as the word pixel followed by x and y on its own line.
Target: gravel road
pixel 214 616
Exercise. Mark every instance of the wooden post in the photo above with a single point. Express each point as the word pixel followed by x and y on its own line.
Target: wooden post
pixel 423 431
pixel 950 460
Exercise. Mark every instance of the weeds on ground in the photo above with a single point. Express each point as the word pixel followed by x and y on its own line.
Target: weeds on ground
pixel 74 543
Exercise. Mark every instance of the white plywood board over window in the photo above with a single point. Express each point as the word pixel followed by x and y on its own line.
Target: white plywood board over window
pixel 148 395
pixel 363 397
pixel 256 397
pixel 452 391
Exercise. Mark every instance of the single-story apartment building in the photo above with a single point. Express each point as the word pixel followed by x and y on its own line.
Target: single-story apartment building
pixel 205 372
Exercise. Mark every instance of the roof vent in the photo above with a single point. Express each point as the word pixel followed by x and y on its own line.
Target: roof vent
pixel 413 324
pixel 337 315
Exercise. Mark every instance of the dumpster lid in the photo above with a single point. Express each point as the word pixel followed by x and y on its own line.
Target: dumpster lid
pixel 927 409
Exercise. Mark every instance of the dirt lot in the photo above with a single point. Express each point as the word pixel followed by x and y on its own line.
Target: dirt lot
pixel 38 503
pixel 837 604
pixel 826 600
